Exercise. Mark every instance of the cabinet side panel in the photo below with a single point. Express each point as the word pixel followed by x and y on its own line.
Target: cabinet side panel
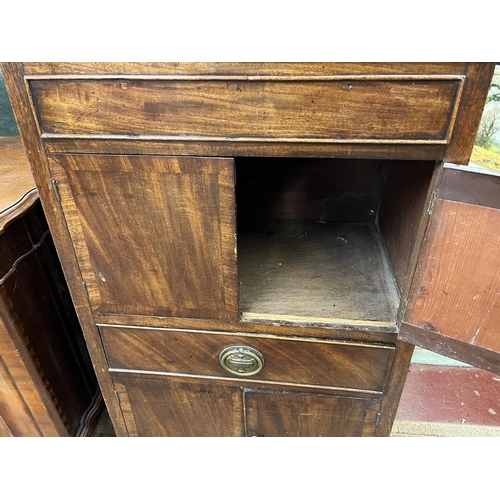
pixel 401 211
pixel 45 320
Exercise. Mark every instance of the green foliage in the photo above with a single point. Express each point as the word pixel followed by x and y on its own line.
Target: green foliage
pixel 494 93
pixel 490 121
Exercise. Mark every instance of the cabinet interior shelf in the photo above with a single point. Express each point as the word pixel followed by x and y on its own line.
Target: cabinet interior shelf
pixel 315 272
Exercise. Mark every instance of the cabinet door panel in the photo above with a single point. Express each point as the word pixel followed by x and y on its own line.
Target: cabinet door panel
pixel 153 235
pixel 166 407
pixel 454 306
pixel 279 414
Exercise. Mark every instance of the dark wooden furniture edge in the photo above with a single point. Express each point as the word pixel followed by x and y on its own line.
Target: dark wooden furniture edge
pixel 466 186
pixel 90 418
pixel 457 148
pixel 18 209
pixel 452 348
pixel 394 388
pixel 257 328
pixel 469 113
pixel 14 81
pixel 243 69
pixel 246 148
pixel 421 232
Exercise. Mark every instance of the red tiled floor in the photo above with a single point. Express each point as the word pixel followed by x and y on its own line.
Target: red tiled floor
pixel 450 395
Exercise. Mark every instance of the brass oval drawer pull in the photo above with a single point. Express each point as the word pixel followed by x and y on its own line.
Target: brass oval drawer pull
pixel 241 360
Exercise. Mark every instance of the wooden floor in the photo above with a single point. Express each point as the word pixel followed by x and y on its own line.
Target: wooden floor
pixel 316 273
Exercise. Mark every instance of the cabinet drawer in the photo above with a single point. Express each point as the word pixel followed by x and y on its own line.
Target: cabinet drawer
pixel 307 363
pixel 363 109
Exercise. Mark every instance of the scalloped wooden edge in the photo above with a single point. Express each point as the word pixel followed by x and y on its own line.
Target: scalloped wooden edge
pixel 18 209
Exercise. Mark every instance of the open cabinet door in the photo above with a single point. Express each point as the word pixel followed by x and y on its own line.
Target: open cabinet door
pixel 454 302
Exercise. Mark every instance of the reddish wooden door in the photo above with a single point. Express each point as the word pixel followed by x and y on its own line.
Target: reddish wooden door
pixel 454 305
pixel 153 235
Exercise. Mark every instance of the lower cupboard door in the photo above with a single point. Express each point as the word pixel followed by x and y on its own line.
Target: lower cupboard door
pixel 273 413
pixel 167 407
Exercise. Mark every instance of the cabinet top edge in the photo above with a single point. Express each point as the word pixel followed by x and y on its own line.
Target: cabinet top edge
pixel 241 69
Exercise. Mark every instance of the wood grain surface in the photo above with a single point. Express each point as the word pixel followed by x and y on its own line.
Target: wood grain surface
pixel 243 69
pixel 288 361
pixel 394 387
pixel 163 407
pixel 154 235
pixel 400 111
pixel 17 186
pixel 406 190
pixel 476 87
pixel 466 186
pixel 457 286
pixel 315 272
pixel 129 145
pixel 445 345
pixel 43 321
pixel 356 333
pixel 278 414
pixel 22 107
pixel 25 405
pixel 407 111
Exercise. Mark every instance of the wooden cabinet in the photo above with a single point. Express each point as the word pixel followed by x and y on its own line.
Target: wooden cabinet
pixel 247 244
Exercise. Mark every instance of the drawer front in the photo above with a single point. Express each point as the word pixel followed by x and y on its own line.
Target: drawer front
pixel 360 109
pixel 308 363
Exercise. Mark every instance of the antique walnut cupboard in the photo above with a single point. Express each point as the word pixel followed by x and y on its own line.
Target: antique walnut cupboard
pixel 253 249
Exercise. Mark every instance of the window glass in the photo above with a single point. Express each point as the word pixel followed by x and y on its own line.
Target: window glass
pixel 7 122
pixel 486 151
